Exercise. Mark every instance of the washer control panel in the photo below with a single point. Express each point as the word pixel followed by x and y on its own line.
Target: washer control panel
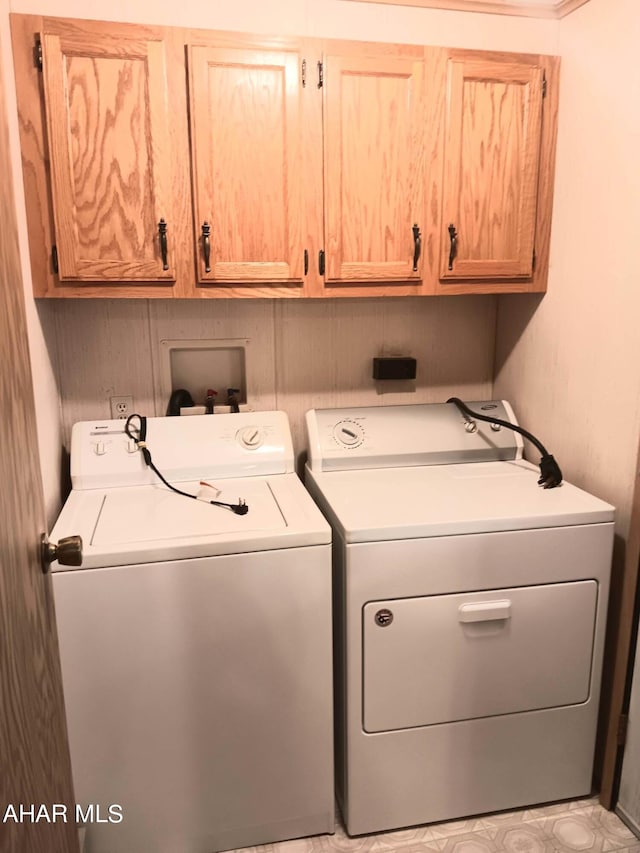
pixel 182 448
pixel 395 436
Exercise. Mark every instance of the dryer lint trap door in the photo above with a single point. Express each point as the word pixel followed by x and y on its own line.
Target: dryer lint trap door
pixel 445 658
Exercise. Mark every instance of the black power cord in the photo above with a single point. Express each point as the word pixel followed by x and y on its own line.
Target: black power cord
pixel 139 435
pixel 550 473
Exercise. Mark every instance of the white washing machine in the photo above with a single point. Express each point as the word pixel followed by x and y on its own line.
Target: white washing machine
pixel 470 609
pixel 196 642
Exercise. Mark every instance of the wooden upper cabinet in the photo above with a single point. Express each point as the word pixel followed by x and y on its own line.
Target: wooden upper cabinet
pixel 246 138
pixel 107 119
pixel 373 169
pixel 272 181
pixel 492 160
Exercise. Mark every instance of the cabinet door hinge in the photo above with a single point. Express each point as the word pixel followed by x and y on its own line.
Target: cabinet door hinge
pixel 37 54
pixel 304 73
pixel 320 75
pixel 544 86
pixel 623 724
pixel 54 258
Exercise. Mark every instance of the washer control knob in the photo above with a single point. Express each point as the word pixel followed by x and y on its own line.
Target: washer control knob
pixel 100 448
pixel 251 437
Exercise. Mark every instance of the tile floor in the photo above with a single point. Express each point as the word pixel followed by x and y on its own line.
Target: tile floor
pixel 581 826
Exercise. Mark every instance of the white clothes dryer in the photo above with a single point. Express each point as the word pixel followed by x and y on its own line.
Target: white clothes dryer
pixel 470 609
pixel 196 642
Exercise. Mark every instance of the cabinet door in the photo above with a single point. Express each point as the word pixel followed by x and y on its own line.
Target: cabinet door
pixel 492 143
pixel 246 157
pixel 107 123
pixel 373 155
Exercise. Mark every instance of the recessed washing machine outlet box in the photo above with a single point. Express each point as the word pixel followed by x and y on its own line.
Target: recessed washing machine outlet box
pixel 197 365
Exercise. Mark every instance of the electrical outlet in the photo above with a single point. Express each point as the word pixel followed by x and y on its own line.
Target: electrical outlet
pixel 121 407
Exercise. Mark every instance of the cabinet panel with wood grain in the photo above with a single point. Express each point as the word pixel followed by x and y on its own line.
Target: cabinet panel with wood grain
pixel 373 154
pixel 497 166
pixel 108 120
pixel 246 140
pixel 104 146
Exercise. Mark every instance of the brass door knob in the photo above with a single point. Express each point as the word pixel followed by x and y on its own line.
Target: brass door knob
pixel 68 551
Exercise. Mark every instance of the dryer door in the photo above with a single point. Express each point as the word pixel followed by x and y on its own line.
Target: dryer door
pixel 443 658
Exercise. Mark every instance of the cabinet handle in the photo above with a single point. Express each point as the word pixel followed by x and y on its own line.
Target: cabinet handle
pixel 453 237
pixel 206 246
pixel 417 246
pixel 306 261
pixel 162 232
pixel 321 262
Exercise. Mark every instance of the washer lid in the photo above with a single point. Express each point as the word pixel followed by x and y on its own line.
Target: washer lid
pixel 156 514
pixel 145 524
pixel 443 500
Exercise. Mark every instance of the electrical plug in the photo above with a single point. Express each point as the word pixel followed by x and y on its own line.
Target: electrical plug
pixel 550 473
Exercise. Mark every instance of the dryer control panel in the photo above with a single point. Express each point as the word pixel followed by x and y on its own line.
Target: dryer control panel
pixel 398 436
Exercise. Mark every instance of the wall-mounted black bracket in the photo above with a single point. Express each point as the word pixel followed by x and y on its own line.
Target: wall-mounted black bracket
pixel 394 367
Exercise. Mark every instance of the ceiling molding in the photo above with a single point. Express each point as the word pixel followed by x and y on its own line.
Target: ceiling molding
pixel 563 7
pixel 523 8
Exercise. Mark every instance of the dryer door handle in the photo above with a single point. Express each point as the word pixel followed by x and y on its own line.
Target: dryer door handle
pixel 485 611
